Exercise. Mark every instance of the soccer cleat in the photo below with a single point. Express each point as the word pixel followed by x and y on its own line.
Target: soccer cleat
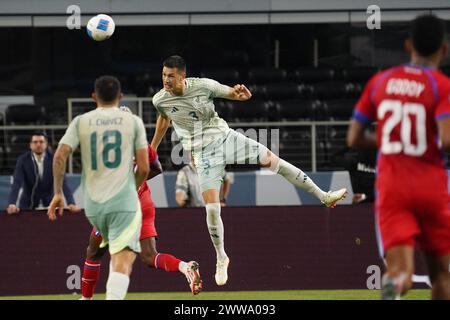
pixel 332 197
pixel 193 277
pixel 222 271
pixel 390 290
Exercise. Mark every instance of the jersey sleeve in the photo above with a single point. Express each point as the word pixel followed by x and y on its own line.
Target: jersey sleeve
pixel 140 137
pixel 443 108
pixel 216 89
pixel 152 155
pixel 364 111
pixel 156 105
pixel 71 137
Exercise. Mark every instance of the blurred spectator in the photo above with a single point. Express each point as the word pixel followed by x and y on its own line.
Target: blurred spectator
pixel 187 188
pixel 34 174
pixel 361 167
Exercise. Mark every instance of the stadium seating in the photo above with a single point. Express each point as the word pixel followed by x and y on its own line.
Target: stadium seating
pixel 24 114
pixel 358 74
pixel 331 90
pixel 223 108
pixel 146 80
pixel 266 75
pixel 338 109
pixel 296 110
pixel 312 75
pixel 251 110
pixel 295 146
pixel 226 76
pixel 283 91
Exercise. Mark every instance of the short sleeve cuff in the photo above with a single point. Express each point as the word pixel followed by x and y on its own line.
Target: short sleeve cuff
pixel 442 116
pixel 72 146
pixel 361 117
pixel 141 146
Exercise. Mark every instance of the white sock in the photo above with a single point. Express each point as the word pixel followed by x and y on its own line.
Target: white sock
pixel 183 266
pixel 117 286
pixel 298 178
pixel 215 228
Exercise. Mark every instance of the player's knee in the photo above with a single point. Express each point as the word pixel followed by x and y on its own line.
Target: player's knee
pixel 123 267
pixel 270 161
pixel 123 264
pixel 267 158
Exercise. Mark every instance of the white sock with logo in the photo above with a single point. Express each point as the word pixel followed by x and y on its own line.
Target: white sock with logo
pixel 297 177
pixel 215 228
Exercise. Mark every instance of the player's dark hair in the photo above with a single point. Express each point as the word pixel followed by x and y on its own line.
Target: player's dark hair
pixel 427 34
pixel 175 62
pixel 38 133
pixel 107 88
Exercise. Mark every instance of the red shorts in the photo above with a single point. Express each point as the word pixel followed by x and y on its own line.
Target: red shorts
pixel 148 228
pixel 407 218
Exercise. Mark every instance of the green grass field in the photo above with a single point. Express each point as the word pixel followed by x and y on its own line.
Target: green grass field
pixel 245 295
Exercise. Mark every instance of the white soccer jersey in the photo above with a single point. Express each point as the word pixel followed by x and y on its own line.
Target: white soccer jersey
pixel 108 138
pixel 192 114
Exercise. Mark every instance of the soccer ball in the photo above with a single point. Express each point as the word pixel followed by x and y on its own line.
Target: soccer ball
pixel 100 27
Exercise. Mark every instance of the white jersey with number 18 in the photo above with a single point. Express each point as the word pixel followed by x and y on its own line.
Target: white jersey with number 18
pixel 108 138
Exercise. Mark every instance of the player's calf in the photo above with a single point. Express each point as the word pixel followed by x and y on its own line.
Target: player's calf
pixel 441 287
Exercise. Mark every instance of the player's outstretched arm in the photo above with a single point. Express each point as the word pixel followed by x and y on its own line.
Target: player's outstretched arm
pixel 239 92
pixel 162 124
pixel 59 167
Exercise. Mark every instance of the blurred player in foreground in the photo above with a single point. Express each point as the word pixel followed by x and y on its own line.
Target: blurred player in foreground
pixel 109 138
pixel 411 104
pixel 188 104
pixel 149 254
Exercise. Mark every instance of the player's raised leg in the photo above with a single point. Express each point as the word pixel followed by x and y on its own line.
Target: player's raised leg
pixel 216 231
pixel 299 179
pixel 400 267
pixel 152 258
pixel 439 271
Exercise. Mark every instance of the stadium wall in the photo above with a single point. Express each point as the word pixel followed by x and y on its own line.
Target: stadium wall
pixel 255 188
pixel 271 248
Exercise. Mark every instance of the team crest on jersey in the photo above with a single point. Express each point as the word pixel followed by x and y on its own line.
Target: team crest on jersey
pixel 174 109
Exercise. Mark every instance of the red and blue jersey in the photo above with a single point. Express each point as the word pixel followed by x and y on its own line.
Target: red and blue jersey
pixel 407 102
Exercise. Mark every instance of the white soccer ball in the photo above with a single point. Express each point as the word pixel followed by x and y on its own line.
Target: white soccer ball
pixel 100 27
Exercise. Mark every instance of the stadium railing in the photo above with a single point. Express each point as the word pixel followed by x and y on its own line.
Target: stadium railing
pixel 310 145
